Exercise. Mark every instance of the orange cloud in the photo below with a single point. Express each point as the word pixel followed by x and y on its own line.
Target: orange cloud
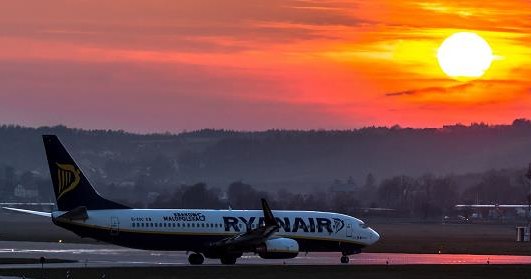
pixel 335 61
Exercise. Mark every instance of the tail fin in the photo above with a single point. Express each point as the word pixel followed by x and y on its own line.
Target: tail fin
pixel 72 188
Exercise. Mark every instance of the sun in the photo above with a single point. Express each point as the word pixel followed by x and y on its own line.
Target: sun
pixel 464 56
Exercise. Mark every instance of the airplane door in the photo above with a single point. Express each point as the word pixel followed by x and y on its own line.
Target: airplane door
pixel 115 226
pixel 349 230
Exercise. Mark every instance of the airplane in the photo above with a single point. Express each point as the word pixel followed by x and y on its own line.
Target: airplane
pixel 214 234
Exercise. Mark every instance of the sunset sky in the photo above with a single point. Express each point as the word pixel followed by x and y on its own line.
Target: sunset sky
pixel 155 66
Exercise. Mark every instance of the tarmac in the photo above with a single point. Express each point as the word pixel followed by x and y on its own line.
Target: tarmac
pixel 105 255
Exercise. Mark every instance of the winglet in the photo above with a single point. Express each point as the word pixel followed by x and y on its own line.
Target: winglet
pixel 269 219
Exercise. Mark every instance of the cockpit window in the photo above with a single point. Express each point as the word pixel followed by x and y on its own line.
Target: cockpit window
pixel 363 225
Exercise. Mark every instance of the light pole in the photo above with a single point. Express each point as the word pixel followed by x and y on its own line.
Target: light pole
pixel 528 176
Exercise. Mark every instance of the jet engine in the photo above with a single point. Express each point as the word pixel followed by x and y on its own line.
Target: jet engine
pixel 278 248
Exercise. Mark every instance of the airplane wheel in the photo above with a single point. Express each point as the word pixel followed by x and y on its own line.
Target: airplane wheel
pixel 196 259
pixel 344 259
pixel 228 260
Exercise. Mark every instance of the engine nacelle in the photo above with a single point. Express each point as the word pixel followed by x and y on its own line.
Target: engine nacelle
pixel 278 248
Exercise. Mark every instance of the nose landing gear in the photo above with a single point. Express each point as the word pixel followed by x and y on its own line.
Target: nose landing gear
pixel 196 259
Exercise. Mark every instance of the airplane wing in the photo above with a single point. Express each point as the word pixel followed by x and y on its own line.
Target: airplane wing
pixel 254 236
pixel 39 213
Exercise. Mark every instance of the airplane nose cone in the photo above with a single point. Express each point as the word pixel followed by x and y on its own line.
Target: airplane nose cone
pixel 375 236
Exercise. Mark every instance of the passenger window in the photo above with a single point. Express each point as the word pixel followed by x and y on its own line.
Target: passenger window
pixel 203 225
pixel 188 225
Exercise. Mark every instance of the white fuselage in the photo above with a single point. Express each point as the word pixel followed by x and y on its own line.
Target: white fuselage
pixel 194 229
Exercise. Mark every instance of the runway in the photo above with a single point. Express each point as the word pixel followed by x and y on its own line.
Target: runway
pixel 91 255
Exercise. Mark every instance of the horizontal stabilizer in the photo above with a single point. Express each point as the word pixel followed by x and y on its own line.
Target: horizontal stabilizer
pixel 39 213
pixel 78 213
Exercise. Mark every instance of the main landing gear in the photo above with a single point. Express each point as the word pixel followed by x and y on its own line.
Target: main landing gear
pixel 344 259
pixel 228 260
pixel 196 259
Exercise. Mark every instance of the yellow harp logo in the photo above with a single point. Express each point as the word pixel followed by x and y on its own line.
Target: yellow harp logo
pixel 67 178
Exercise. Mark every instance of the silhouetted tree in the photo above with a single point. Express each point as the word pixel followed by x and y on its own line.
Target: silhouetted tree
pixel 199 196
pixel 244 196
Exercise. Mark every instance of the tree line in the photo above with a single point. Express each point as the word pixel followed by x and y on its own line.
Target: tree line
pixel 425 197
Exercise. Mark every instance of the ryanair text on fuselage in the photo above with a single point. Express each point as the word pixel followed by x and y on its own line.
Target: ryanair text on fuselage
pixel 230 223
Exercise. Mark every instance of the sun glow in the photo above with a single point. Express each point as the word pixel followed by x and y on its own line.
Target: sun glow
pixel 464 55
